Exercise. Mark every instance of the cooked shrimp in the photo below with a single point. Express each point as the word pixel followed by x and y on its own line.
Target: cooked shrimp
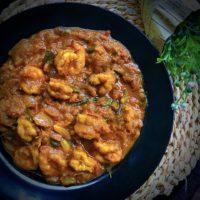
pixel 70 61
pixel 81 161
pixel 26 129
pixel 99 57
pixel 111 150
pixel 132 118
pixel 59 89
pixel 32 79
pixel 99 157
pixel 90 127
pixel 52 162
pixel 105 80
pixel 26 157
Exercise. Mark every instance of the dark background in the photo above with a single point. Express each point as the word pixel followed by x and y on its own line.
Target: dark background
pixel 188 189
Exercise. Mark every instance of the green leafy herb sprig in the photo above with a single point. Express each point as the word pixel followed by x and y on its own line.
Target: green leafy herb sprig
pixel 181 55
pixel 84 101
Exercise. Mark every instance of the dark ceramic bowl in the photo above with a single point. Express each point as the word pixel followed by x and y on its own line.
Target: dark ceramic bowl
pixel 146 154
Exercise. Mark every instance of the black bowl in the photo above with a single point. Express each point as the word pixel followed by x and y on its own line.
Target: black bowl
pixel 146 154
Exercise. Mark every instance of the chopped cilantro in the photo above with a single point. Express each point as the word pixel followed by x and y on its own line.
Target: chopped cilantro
pixel 49 56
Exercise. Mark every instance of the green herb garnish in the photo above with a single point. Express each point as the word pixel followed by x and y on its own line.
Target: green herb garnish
pixel 181 54
pixel 108 102
pixel 90 50
pixel 109 170
pixel 76 90
pixel 54 143
pixel 84 101
pixel 94 99
pixel 49 56
pixel 78 103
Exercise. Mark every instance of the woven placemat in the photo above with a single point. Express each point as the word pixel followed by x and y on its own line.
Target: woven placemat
pixel 183 150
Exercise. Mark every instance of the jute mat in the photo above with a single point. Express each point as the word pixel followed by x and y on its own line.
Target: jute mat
pixel 183 150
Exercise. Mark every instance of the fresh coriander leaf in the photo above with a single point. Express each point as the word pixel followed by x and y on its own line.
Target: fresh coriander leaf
pixel 84 101
pixel 54 143
pixel 108 102
pixel 49 56
pixel 94 99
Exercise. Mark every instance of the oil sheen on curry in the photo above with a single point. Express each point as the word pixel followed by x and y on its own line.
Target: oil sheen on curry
pixel 71 104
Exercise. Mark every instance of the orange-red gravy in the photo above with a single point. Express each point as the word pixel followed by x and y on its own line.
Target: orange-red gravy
pixel 71 104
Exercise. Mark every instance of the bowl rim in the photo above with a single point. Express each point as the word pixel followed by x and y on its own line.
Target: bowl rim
pixel 48 186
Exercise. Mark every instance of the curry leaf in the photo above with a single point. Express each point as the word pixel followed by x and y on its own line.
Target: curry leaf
pixel 48 57
pixel 94 99
pixel 79 103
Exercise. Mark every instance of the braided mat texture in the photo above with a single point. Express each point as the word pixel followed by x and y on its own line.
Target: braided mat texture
pixel 183 150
